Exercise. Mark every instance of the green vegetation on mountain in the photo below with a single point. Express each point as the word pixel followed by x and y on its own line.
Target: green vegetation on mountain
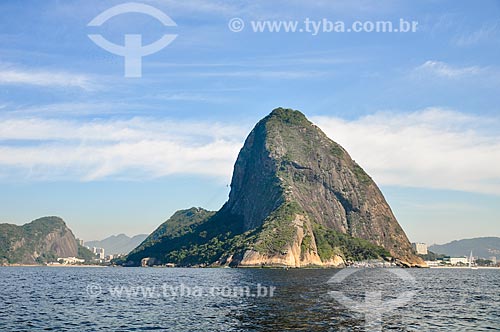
pixel 331 243
pixel 187 234
pixel 85 253
pixel 277 232
pixel 40 241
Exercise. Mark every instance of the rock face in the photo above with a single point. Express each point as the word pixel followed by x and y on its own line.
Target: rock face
pixel 297 199
pixel 40 241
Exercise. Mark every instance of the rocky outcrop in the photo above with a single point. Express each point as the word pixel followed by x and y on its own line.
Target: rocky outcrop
pixel 288 159
pixel 40 241
pixel 293 254
pixel 297 199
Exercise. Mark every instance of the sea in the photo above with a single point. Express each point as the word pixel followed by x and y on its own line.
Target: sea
pixel 224 299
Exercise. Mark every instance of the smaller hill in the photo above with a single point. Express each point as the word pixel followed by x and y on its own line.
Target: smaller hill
pixel 40 241
pixel 117 244
pixel 481 247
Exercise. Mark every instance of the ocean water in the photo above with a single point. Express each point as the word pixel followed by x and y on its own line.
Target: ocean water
pixel 175 299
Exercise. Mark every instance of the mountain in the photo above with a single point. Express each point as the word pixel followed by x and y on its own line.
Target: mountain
pixel 481 247
pixel 117 244
pixel 297 199
pixel 40 241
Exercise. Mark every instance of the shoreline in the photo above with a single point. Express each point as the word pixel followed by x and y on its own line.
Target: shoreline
pixel 466 267
pixel 49 265
pixel 254 267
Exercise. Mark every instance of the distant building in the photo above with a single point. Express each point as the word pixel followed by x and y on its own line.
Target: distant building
pixel 420 248
pixel 493 259
pixel 459 260
pixel 99 252
pixel 433 263
pixel 445 260
pixel 70 260
pixel 80 242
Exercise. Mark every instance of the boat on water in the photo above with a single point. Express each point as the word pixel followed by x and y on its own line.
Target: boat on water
pixel 472 265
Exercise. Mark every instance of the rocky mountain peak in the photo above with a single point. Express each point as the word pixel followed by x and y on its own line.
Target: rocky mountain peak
pixel 297 198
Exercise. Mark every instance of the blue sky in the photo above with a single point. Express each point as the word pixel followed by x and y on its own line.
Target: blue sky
pixel 418 110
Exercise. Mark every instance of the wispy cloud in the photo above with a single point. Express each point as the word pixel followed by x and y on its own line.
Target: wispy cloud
pixel 190 97
pixel 47 78
pixel 138 148
pixel 489 32
pixel 76 109
pixel 432 148
pixel 268 74
pixel 442 69
pixel 268 9
pixel 216 7
pixel 282 60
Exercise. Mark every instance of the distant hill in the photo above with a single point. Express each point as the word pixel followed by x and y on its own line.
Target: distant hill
pixel 481 247
pixel 40 241
pixel 118 244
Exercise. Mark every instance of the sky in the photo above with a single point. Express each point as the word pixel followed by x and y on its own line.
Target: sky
pixel 110 153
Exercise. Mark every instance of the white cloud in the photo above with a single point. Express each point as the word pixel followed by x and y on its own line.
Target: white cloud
pixel 442 69
pixel 487 33
pixel 135 148
pixel 15 76
pixel 432 148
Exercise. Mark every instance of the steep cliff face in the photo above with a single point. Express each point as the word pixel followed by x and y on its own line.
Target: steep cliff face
pixel 297 199
pixel 320 176
pixel 255 189
pixel 40 241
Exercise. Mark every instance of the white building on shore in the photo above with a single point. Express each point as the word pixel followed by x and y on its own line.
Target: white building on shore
pixel 459 260
pixel 419 248
pixel 70 260
pixel 434 263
